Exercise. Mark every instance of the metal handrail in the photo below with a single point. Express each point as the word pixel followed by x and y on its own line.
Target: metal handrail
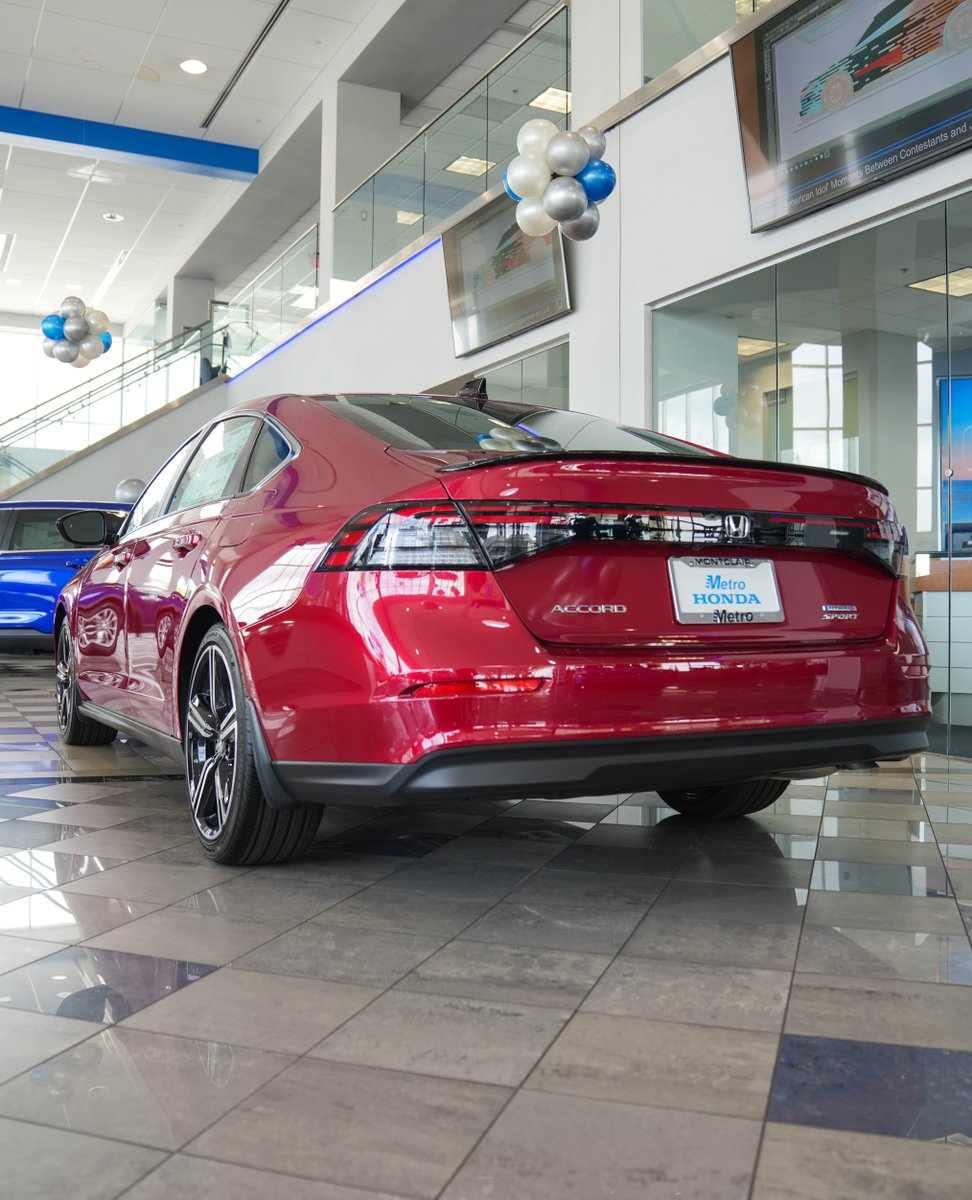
pixel 84 395
pixel 555 12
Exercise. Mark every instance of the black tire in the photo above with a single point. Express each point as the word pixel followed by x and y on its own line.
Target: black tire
pixel 75 730
pixel 232 820
pixel 726 799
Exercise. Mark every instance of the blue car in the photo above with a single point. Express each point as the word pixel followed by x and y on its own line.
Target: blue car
pixel 35 563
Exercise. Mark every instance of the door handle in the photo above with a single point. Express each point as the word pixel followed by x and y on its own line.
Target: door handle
pixel 121 558
pixel 75 562
pixel 187 542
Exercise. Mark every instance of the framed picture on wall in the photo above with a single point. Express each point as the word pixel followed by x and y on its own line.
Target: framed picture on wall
pixel 500 280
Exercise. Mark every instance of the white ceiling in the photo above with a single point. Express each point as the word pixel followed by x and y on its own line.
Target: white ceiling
pixel 117 62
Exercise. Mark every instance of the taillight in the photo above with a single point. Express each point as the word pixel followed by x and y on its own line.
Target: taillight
pixel 411 536
pixel 489 534
pixel 499 686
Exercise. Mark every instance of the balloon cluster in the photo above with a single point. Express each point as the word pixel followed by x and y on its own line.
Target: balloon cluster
pixel 740 407
pixel 75 334
pixel 559 179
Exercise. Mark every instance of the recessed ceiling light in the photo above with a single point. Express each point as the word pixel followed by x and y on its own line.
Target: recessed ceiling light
pixel 13 282
pixel 193 66
pixel 552 100
pixel 109 216
pixel 956 283
pixel 748 346
pixel 407 218
pixel 464 165
pixel 75 287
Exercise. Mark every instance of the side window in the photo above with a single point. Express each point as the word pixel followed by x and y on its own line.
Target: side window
pixel 149 504
pixel 271 449
pixel 34 529
pixel 210 473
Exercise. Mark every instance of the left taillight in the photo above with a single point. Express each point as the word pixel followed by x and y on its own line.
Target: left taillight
pixel 411 536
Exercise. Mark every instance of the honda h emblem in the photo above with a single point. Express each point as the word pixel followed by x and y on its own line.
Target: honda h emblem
pixel 737 527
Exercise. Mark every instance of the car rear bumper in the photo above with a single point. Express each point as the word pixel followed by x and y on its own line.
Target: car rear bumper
pixel 590 767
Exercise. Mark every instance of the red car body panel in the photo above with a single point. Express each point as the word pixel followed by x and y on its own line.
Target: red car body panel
pixel 332 659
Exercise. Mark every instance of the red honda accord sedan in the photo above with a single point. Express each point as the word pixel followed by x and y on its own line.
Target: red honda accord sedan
pixel 392 599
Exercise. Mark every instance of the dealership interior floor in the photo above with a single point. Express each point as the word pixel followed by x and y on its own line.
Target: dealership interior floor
pixel 481 1000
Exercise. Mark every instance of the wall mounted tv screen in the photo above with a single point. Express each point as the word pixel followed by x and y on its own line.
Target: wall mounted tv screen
pixel 838 95
pixel 500 280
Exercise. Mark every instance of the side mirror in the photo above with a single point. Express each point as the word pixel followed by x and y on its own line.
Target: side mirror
pixel 90 527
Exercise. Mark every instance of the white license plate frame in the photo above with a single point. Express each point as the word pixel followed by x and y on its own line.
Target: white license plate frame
pixel 717 590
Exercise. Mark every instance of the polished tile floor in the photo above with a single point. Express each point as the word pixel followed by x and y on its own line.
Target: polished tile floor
pixel 481 1001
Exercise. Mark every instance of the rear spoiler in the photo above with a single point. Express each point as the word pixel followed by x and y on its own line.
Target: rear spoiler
pixel 637 456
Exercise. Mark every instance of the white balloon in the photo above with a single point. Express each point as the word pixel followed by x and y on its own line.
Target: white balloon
pixel 80 361
pixel 97 321
pixel 532 218
pixel 527 176
pixel 92 346
pixel 71 306
pixel 533 138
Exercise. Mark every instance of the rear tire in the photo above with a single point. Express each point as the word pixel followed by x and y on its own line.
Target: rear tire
pixel 726 799
pixel 836 91
pixel 75 730
pixel 232 820
pixel 957 34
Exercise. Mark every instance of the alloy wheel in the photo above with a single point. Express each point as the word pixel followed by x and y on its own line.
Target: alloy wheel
pixel 212 742
pixel 64 680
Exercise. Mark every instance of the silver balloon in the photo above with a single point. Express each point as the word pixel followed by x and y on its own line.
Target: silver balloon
pixel 564 199
pixel 71 306
pixel 47 346
pixel 596 141
pixel 97 321
pixel 127 491
pixel 92 346
pixel 76 329
pixel 584 227
pixel 65 351
pixel 567 153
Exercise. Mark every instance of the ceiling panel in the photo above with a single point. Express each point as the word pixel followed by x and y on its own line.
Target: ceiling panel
pixel 245 122
pixel 273 79
pixel 19 25
pixel 132 14
pixel 232 24
pixel 73 91
pixel 302 37
pixel 82 42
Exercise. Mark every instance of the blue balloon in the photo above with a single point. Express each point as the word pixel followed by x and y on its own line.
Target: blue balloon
pixel 509 191
pixel 598 179
pixel 53 327
pixel 106 340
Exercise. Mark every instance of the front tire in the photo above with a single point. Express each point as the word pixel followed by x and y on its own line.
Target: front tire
pixel 232 820
pixel 75 730
pixel 837 90
pixel 957 34
pixel 726 799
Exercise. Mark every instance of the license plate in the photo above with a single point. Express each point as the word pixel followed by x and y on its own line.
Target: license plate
pixel 724 591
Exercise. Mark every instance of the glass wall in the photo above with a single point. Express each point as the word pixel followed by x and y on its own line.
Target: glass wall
pixel 672 29
pixel 856 356
pixel 459 156
pixel 542 378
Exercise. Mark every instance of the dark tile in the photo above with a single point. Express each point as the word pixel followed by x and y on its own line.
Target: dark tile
pixel 708 864
pixel 619 860
pixel 868 1087
pixel 469 880
pixel 61 983
pixel 732 943
pixel 732 902
pixel 587 889
pixel 870 850
pixel 600 929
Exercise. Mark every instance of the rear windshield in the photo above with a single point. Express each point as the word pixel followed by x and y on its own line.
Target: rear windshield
pixel 495 426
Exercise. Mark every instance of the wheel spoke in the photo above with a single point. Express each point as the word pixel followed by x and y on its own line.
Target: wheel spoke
pixel 202 790
pixel 202 718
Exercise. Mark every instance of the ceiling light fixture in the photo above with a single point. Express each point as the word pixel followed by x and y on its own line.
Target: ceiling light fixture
pixel 955 283
pixel 464 165
pixel 404 217
pixel 552 100
pixel 111 216
pixel 193 66
pixel 748 346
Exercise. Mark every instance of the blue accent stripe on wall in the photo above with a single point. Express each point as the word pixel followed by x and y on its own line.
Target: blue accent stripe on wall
pixel 21 126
